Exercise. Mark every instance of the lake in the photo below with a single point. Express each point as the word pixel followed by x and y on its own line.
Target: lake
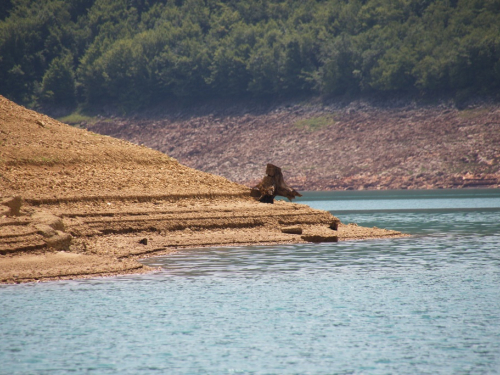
pixel 425 304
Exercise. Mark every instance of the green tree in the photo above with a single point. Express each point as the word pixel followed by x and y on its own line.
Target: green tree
pixel 58 83
pixel 133 52
pixel 5 7
pixel 339 73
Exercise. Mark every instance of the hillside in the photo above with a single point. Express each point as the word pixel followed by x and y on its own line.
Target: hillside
pixel 328 145
pixel 77 204
pixel 131 53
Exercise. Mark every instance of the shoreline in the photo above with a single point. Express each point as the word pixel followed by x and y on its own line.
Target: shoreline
pixel 109 241
pixel 9 278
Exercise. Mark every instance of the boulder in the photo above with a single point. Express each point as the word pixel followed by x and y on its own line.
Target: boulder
pixel 335 224
pixel 45 230
pixel 55 222
pixel 60 241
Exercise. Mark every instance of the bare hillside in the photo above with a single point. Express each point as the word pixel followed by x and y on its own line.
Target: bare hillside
pixel 329 146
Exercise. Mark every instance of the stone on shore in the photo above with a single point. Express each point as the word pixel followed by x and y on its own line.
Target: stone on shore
pixel 60 241
pixel 292 230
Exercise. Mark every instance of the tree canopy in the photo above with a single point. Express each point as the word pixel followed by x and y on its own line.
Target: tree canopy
pixel 135 52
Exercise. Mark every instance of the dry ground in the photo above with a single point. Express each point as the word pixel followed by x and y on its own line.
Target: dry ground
pixel 92 205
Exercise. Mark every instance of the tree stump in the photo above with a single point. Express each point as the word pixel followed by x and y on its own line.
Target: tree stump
pixel 272 185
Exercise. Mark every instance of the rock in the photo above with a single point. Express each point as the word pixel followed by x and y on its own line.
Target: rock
pixel 52 228
pixel 14 204
pixel 52 221
pixel 61 241
pixel 335 225
pixel 292 230
pixel 144 241
pixel 45 230
pixel 317 238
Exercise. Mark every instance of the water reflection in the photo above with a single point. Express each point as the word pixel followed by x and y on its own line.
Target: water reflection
pixel 394 256
pixel 438 239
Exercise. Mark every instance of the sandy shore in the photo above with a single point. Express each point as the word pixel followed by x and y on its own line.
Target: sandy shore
pixel 90 205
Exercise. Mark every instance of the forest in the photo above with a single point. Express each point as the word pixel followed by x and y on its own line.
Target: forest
pixel 134 53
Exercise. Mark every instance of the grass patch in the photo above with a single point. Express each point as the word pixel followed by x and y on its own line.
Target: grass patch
pixel 470 114
pixel 36 160
pixel 315 123
pixel 77 118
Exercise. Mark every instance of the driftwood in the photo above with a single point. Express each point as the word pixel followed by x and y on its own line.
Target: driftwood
pixel 272 185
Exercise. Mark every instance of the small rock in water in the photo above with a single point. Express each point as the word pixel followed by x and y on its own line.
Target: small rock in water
pixel 317 238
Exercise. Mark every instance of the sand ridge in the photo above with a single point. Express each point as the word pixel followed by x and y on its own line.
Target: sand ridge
pixel 92 205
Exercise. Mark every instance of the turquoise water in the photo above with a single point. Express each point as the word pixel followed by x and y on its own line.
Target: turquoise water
pixel 427 304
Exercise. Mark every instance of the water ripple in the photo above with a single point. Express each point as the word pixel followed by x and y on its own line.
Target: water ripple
pixel 426 304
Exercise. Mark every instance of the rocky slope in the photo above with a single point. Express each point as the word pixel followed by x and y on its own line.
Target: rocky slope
pixel 328 145
pixel 77 204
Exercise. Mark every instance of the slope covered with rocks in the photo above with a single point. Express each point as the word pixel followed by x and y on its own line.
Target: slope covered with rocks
pixel 329 145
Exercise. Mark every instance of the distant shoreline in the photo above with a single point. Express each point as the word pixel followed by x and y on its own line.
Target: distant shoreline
pixel 335 144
